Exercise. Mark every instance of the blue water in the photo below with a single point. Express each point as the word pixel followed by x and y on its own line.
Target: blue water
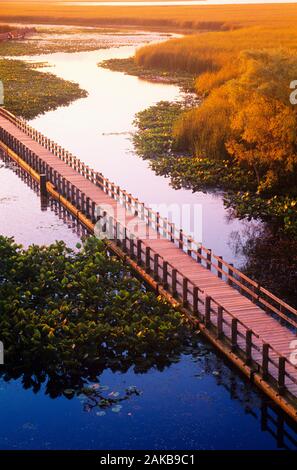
pixel 197 403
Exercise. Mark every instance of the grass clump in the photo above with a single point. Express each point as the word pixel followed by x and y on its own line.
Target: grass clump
pixel 29 92
pixel 129 66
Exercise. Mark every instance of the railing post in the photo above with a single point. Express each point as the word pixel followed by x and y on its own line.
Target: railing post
pixel 181 239
pixel 199 252
pixel 220 267
pixel 185 292
pixel 234 331
pixel 207 308
pixel 256 291
pixel 158 223
pixel 139 259
pixel 165 274
pixel 195 300
pixel 131 246
pixel 172 227
pixel 248 347
pixel 94 212
pixel 156 266
pixel 174 282
pixel 281 374
pixel 230 274
pixel 142 216
pixel 117 234
pixel 220 323
pixel 125 240
pixel 265 360
pixel 189 250
pixel 147 259
pixel 209 254
pixel 88 203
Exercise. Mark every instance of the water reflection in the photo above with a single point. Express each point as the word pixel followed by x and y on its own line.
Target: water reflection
pixel 197 378
pixel 267 252
pixel 180 383
pixel 21 216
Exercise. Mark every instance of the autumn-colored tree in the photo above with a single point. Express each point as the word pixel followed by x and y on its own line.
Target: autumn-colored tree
pixel 264 136
pixel 249 117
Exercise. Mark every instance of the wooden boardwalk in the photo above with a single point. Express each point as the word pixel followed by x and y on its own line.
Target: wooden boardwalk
pixel 251 326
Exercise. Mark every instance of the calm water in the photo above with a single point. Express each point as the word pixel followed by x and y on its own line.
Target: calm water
pixel 21 216
pixel 183 407
pixel 98 130
pixel 198 402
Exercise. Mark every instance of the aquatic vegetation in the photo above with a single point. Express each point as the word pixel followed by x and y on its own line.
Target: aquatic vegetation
pixel 278 210
pixel 154 136
pixel 29 92
pixel 63 39
pixel 67 312
pixel 97 397
pixel 154 140
pixel 130 67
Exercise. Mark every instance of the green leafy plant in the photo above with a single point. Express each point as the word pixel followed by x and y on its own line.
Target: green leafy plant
pixel 64 310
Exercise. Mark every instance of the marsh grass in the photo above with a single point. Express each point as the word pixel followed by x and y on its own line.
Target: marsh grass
pixel 129 66
pixel 29 92
pixel 186 18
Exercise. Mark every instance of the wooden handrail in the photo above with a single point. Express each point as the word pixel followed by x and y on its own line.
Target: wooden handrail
pixel 168 228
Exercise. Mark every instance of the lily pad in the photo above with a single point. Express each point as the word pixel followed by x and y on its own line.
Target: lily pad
pixel 116 409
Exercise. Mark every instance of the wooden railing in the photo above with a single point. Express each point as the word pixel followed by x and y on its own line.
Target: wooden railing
pixel 261 357
pixel 204 256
